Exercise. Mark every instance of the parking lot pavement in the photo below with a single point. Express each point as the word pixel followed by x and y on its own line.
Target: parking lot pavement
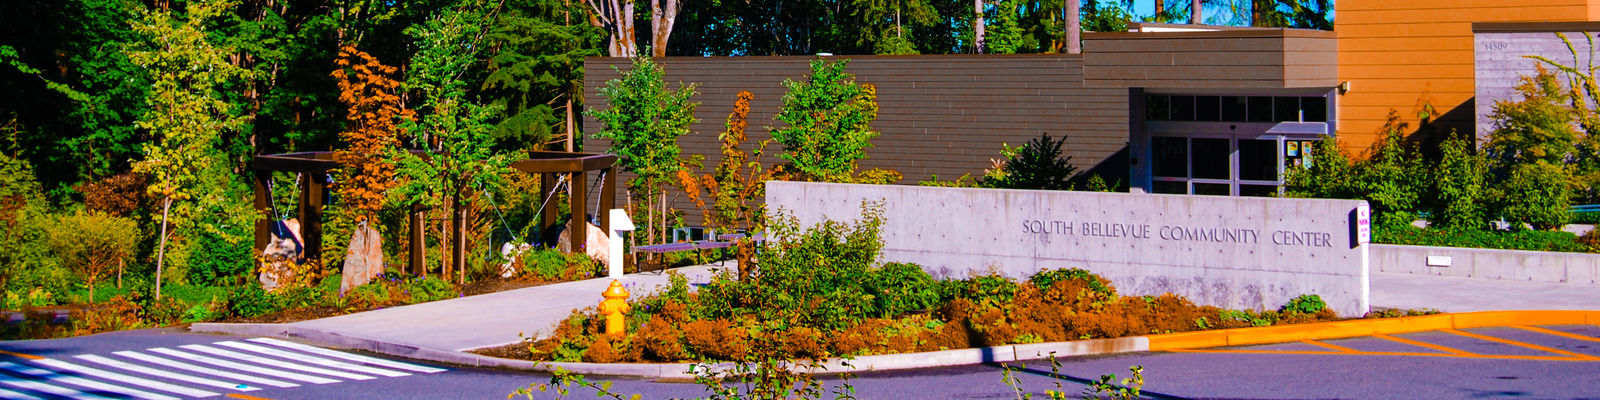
pixel 1546 361
pixel 1567 343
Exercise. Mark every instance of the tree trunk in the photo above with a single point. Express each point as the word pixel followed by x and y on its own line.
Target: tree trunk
pixel 459 237
pixel 616 17
pixel 1160 7
pixel 1258 13
pixel 161 251
pixel 1194 13
pixel 1074 28
pixel 120 267
pixel 977 26
pixel 661 20
pixel 570 125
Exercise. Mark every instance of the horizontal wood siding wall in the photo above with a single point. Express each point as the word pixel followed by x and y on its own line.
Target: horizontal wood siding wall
pixel 1235 59
pixel 939 115
pixel 1399 55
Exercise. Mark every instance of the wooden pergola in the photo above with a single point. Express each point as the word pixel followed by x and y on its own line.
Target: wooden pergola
pixel 313 193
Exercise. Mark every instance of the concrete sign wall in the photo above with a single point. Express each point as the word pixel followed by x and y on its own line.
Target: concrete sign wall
pixel 1234 252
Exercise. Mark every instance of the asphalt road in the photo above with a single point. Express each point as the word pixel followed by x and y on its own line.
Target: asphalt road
pixel 1537 363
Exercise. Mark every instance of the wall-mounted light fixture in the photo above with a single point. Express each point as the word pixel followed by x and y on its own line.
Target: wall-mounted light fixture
pixel 1344 87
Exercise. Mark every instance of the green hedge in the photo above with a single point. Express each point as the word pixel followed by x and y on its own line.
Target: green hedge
pixel 1512 240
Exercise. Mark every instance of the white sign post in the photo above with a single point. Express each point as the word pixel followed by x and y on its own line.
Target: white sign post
pixel 619 222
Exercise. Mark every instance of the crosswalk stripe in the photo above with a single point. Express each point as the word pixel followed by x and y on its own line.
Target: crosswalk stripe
pixel 347 356
pixel 208 371
pixel 36 386
pixel 72 380
pixel 276 363
pixel 108 375
pixel 10 395
pixel 244 367
pixel 313 360
pixel 166 374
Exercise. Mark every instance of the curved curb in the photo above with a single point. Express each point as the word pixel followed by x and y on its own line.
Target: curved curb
pixel 1367 327
pixel 882 362
pixel 947 358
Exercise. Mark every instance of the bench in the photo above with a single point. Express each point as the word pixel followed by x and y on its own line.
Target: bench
pixel 723 241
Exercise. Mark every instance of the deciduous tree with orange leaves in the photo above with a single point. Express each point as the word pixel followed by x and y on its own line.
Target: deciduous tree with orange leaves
pixel 375 113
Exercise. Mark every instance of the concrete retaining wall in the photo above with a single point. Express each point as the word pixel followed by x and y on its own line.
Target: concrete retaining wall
pixel 1534 266
pixel 1234 252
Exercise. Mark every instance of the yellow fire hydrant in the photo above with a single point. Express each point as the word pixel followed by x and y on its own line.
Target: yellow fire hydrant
pixel 613 306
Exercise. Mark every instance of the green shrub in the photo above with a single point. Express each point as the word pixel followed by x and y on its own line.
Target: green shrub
pixel 1038 164
pixel 1591 218
pixel 219 258
pixel 812 278
pixel 988 290
pixel 1514 240
pixel 1045 278
pixel 1305 304
pixel 549 265
pixel 428 289
pixel 250 301
pixel 202 312
pixel 370 295
pixel 317 295
pixel 1458 186
pixel 1331 176
pixel 898 289
pixel 1535 194
pixel 1388 178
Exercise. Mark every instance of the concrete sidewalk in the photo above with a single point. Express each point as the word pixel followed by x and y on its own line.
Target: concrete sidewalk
pixel 492 319
pixel 1455 294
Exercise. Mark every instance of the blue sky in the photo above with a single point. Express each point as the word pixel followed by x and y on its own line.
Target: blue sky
pixel 1213 13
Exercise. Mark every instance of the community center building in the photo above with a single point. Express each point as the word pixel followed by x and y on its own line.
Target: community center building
pixel 1179 109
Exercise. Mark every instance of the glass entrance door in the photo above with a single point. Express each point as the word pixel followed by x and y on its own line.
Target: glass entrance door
pixel 1231 165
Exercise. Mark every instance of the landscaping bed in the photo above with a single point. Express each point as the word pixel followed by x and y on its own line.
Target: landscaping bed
pixel 818 294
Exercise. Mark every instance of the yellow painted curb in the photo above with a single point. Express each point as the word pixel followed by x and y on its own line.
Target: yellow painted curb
pixel 1367 327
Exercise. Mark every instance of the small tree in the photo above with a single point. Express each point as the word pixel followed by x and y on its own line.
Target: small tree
pixel 1458 186
pixel 455 134
pixel 1540 127
pixel 186 113
pixel 374 113
pixel 1038 164
pixel 828 118
pixel 644 119
pixel 736 188
pixel 1533 140
pixel 1388 177
pixel 93 244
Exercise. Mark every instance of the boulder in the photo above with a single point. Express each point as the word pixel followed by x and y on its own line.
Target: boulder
pixel 511 252
pixel 596 246
pixel 365 259
pixel 280 252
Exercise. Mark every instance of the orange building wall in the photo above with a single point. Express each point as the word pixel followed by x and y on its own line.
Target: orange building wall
pixel 1400 54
